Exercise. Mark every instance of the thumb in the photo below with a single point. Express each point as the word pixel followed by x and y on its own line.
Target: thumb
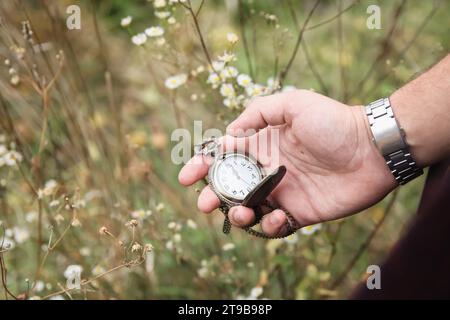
pixel 261 112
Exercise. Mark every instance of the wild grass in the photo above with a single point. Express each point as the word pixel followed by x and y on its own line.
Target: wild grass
pixel 87 186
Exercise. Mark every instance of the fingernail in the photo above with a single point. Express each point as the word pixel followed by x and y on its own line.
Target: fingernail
pixel 275 219
pixel 235 215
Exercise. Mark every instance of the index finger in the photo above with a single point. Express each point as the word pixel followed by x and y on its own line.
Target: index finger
pixel 261 112
pixel 195 169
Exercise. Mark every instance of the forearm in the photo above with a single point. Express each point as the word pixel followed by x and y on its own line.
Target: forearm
pixel 422 108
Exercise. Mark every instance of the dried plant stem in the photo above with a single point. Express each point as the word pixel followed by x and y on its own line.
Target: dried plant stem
pixel 366 243
pixel 86 282
pixel 405 49
pixel 109 83
pixel 45 105
pixel 27 181
pixel 314 70
pixel 3 270
pixel 308 59
pixel 285 71
pixel 188 6
pixel 340 41
pixel 385 47
pixel 50 248
pixel 199 8
pixel 334 242
pixel 326 21
pixel 4 279
pixel 244 38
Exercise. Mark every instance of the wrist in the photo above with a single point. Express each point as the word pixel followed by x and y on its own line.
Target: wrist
pixel 390 140
pixel 372 156
pixel 418 135
pixel 422 109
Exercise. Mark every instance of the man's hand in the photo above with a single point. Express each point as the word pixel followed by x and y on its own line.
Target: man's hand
pixel 333 167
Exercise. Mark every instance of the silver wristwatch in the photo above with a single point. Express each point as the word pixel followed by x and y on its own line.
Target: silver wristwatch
pixel 390 140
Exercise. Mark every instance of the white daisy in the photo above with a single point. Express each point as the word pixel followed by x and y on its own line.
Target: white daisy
pixel 73 271
pixel 169 245
pixel 139 39
pixel 213 79
pixel 227 90
pixel 141 214
pixel 244 80
pixel 160 41
pixel 159 3
pixel 7 243
pixel 218 65
pixel 125 22
pixel 228 246
pixel 175 81
pixel 162 14
pixel 12 158
pixel 53 203
pixel 228 72
pixel 49 187
pixel 154 32
pixel 292 239
pixel 230 102
pixel 232 37
pixel 39 286
pixel 202 272
pixel 31 216
pixel 311 229
pixel 254 90
pixel 85 251
pixel 227 57
pixel 97 270
pixel 177 237
pixel 191 224
pixel 21 235
pixel 256 292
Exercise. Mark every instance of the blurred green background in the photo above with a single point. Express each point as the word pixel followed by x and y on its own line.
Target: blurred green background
pixel 91 117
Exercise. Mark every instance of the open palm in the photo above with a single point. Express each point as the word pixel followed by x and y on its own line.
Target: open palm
pixel 333 168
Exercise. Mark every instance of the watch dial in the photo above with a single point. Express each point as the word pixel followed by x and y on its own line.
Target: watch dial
pixel 235 175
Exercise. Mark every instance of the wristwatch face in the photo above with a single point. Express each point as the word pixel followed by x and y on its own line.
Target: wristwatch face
pixel 234 175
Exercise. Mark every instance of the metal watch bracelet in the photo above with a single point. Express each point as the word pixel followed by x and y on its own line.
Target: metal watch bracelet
pixel 390 140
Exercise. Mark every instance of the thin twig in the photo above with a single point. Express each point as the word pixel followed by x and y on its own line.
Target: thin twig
pixel 384 49
pixel 308 59
pixel 188 6
pixel 244 38
pixel 83 283
pixel 340 32
pixel 334 242
pixel 199 8
pixel 3 270
pixel 333 17
pixel 407 46
pixel 285 71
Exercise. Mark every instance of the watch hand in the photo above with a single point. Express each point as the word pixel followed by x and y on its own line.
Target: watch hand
pixel 236 174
